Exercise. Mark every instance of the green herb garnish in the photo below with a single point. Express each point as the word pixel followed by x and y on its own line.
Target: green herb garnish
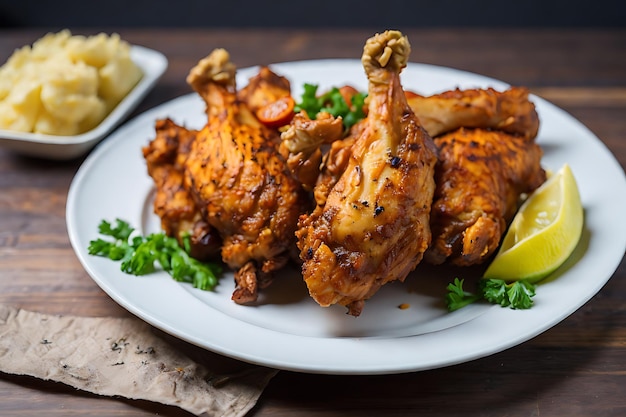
pixel 332 102
pixel 516 295
pixel 140 255
pixel 457 297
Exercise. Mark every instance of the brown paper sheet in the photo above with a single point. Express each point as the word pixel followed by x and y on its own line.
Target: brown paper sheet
pixel 125 357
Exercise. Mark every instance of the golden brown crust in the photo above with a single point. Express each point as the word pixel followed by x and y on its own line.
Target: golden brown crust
pixel 302 141
pixel 385 196
pixel 510 111
pixel 480 177
pixel 264 88
pixel 240 181
pixel 165 156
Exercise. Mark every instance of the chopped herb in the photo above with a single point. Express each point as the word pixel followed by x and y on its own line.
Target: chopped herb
pixel 332 102
pixel 139 255
pixel 457 297
pixel 515 295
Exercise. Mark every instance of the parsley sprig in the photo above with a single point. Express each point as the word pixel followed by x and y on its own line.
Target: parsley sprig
pixel 332 102
pixel 140 255
pixel 515 295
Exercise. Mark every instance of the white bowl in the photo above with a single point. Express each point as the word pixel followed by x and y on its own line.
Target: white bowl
pixel 152 63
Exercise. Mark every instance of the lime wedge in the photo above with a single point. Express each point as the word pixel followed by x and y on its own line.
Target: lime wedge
pixel 543 233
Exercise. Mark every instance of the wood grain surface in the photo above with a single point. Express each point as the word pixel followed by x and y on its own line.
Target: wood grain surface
pixel 577 368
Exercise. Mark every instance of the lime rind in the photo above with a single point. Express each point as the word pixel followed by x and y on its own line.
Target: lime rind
pixel 544 232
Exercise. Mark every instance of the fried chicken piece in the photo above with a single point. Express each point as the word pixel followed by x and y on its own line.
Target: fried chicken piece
pixel 480 177
pixel 374 225
pixel 264 88
pixel 302 141
pixel 165 156
pixel 510 111
pixel 241 182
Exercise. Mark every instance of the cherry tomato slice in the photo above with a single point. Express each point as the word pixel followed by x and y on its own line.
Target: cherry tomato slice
pixel 277 113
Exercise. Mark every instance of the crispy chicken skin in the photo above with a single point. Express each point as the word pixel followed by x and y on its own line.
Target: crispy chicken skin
pixel 302 144
pixel 434 178
pixel 509 111
pixel 240 181
pixel 480 176
pixel 264 88
pixel 374 225
pixel 165 157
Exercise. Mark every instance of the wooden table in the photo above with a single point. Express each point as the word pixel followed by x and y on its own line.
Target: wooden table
pixel 577 368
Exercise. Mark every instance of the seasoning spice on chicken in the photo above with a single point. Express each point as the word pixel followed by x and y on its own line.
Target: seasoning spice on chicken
pixel 356 207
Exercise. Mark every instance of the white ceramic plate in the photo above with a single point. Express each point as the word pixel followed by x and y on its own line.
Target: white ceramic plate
pixel 286 329
pixel 152 63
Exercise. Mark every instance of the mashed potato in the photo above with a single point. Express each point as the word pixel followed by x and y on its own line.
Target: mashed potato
pixel 64 84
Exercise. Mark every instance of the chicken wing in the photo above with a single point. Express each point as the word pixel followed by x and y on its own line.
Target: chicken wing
pixel 480 177
pixel 373 227
pixel 510 111
pixel 240 181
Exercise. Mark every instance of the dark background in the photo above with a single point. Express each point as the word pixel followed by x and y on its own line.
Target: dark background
pixel 312 13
